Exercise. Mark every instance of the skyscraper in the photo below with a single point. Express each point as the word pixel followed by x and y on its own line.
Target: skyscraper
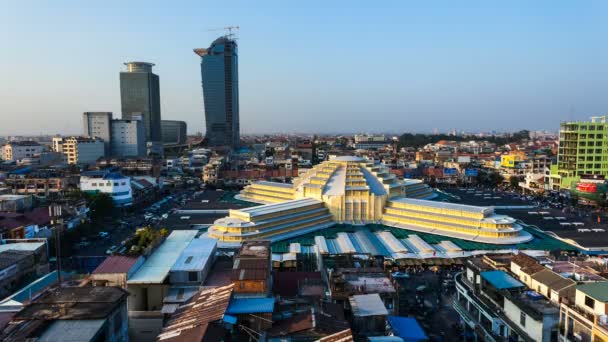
pixel 219 73
pixel 140 96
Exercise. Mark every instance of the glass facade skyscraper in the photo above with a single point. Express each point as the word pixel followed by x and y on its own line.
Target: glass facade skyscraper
pixel 219 73
pixel 140 96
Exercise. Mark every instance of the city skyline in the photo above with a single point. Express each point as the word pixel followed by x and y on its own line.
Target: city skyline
pixel 470 67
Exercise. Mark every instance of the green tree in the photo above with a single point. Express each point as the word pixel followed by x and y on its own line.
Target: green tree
pixel 101 205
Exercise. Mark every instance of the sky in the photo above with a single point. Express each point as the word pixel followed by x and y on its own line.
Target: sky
pixel 313 66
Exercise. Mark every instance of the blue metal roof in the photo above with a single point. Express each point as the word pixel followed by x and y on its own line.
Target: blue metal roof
pixel 250 305
pixel 501 280
pixel 407 328
pixel 36 286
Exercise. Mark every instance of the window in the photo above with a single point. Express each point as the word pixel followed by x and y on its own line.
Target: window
pixel 589 302
pixel 192 276
pixel 522 319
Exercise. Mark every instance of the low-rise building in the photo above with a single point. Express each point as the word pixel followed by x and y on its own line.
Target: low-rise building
pixel 111 183
pixel 80 150
pixel 251 269
pixel 149 285
pixel 585 319
pixel 116 270
pixel 495 306
pixel 72 314
pixel 17 150
pixel 369 315
pixel 15 203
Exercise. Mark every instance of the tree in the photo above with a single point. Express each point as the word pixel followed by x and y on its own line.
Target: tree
pixel 101 204
pixel 514 182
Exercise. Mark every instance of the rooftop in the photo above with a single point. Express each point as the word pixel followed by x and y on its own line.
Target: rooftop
pixel 196 255
pixel 158 265
pixel 74 303
pixel 190 321
pixel 501 280
pixel 597 291
pixel 250 305
pixel 407 328
pixel 445 205
pixel 367 305
pixel 116 264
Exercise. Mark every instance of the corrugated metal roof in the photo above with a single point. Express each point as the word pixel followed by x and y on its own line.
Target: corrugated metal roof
pixel 158 265
pixel 190 321
pixel 196 255
pixel 239 306
pixel 597 291
pixel 116 264
pixel 367 305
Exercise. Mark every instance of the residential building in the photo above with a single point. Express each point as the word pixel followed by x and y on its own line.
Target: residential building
pixel 17 150
pixel 140 96
pixel 116 270
pixel 251 269
pixel 585 318
pixel 369 315
pixel 15 203
pixel 149 285
pixel 98 124
pixel 41 183
pixel 80 150
pixel 583 150
pixel 128 138
pixel 370 142
pixel 111 183
pixel 174 132
pixel 72 314
pixel 495 306
pixel 193 265
pixel 219 73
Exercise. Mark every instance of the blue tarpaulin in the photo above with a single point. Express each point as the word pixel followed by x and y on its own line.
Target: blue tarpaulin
pixel 501 280
pixel 250 305
pixel 407 328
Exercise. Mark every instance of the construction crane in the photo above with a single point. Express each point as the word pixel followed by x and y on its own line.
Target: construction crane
pixel 229 29
pixel 230 35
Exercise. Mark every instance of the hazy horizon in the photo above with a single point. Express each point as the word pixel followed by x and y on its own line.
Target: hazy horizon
pixel 313 67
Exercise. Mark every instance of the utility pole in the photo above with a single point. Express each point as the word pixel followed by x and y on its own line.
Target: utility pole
pixel 57 222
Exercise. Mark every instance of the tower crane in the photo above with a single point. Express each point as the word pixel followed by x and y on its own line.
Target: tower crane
pixel 231 31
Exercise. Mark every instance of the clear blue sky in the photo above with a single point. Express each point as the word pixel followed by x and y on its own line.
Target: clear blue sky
pixel 306 66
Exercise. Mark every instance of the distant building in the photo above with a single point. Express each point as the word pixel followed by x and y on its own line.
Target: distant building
pixel 173 132
pixel 18 150
pixel 111 183
pixel 140 96
pixel 581 151
pixel 128 138
pixel 98 124
pixel 370 142
pixel 80 150
pixel 219 72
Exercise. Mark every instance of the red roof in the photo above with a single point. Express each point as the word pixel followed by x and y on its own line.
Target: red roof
pixel 116 264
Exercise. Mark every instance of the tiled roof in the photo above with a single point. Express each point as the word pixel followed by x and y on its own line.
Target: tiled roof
pixel 116 264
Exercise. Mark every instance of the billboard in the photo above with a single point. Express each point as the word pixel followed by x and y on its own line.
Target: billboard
pixel 450 171
pixel 471 172
pixel 507 161
pixel 586 187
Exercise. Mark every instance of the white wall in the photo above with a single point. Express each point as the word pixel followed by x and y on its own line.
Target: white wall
pixel 533 328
